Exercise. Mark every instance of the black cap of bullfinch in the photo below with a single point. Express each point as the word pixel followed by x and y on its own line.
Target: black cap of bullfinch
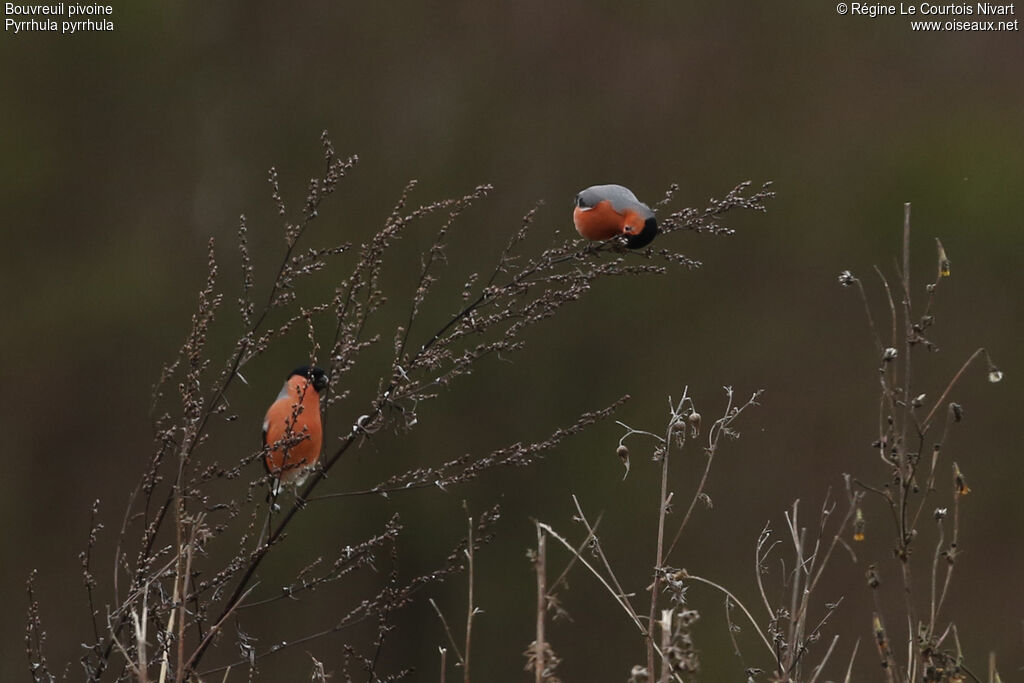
pixel 317 376
pixel 604 212
pixel 292 429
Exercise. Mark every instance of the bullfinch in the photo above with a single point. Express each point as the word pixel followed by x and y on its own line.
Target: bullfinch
pixel 606 211
pixel 292 431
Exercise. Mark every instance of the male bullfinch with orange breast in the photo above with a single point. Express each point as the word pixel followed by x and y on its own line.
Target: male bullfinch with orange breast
pixel 607 211
pixel 292 431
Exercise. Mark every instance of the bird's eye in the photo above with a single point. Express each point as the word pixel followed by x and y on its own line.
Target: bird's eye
pixel 579 201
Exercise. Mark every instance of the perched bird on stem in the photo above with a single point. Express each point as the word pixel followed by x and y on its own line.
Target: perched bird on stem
pixel 292 431
pixel 604 212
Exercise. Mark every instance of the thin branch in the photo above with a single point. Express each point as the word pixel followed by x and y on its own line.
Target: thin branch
pixel 448 631
pixel 539 643
pixel 736 601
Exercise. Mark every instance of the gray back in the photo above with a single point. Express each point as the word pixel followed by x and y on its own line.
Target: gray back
pixel 620 197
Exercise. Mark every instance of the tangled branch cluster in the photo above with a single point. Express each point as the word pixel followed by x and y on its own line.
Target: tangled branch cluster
pixel 191 541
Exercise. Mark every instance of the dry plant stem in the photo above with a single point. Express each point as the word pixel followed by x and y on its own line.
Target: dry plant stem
pixel 196 526
pixel 165 661
pixel 882 640
pixel 908 341
pixel 141 637
pixel 789 648
pixel 710 457
pixel 887 401
pixel 471 609
pixel 243 587
pixel 448 632
pixel 542 591
pixel 799 596
pixel 220 622
pixel 894 328
pixel 385 600
pixel 949 387
pixel 616 595
pixel 624 604
pixel 993 674
pixel 258 555
pixel 736 601
pixel 675 436
pixel 837 538
pixel 824 660
pixel 721 426
pixel 180 588
pixel 905 466
pixel 592 533
pixel 936 450
pixel 133 665
pixel 35 636
pixel 760 554
pixel 907 469
pixel 461 470
pixel 871 320
pixel 731 628
pixel 666 641
pixel 814 634
pixel 950 553
pixel 808 571
pixel 959 651
pixel 371 667
pixel 902 450
pixel 849 667
pixel 86 556
pixel 662 512
pixel 933 603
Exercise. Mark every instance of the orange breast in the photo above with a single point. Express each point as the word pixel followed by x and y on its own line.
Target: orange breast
pixel 603 222
pixel 303 431
pixel 599 223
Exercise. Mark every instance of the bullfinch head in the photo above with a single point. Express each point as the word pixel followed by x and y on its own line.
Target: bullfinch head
pixel 314 375
pixel 607 211
pixel 292 431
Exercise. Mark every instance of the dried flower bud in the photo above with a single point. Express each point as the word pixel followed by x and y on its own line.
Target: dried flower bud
pixel 957 410
pixel 688 617
pixel 918 400
pixel 858 526
pixel 995 375
pixel 940 514
pixel 846 278
pixel 638 674
pixel 623 454
pixel 889 354
pixel 962 489
pixel 943 260
pixel 694 420
pixel 872 575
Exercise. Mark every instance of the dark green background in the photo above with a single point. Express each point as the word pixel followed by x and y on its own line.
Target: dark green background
pixel 123 152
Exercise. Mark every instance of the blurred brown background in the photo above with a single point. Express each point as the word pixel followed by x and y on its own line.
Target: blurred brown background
pixel 123 152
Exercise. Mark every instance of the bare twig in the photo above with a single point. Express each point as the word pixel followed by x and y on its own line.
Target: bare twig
pixel 540 643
